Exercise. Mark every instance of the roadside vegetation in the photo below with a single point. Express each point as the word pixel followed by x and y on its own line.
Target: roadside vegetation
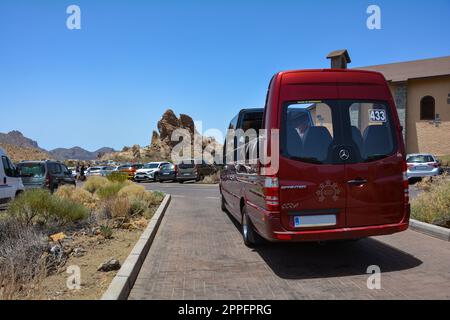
pixel 39 230
pixel 211 179
pixel 433 204
pixel 445 160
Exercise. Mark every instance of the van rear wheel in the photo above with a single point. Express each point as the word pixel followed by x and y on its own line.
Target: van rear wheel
pixel 250 236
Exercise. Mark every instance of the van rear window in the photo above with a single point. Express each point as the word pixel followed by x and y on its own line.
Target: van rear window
pixel 318 131
pixel 31 169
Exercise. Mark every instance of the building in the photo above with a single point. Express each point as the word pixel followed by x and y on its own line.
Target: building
pixel 421 90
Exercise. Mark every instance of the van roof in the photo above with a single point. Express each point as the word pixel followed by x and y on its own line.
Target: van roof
pixel 333 75
pixel 252 110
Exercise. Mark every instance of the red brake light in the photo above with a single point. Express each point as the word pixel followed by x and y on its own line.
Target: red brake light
pixel 47 180
pixel 272 193
pixel 405 183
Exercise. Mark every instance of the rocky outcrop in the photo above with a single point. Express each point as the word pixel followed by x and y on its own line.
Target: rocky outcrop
pixel 161 144
pixel 167 125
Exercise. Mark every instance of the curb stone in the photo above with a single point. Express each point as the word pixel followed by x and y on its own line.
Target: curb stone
pixel 430 229
pixel 121 285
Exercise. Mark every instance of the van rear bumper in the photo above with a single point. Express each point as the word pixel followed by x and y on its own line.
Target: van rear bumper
pixel 278 234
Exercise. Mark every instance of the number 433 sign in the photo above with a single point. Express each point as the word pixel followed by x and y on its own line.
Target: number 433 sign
pixel 377 115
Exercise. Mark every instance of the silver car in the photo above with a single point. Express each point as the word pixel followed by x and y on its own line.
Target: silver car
pixel 101 171
pixel 422 165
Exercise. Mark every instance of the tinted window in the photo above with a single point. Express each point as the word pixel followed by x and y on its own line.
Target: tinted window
pixel 8 167
pixel 252 120
pixel 317 131
pixel 31 169
pixel 420 159
pixel 187 165
pixel 151 166
pixel 65 170
pixel 233 123
pixel 371 129
pixel 55 168
pixel 308 131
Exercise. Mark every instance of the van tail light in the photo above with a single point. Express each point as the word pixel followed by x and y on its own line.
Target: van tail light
pixel 175 168
pixel 47 180
pixel 405 183
pixel 272 193
pixel 436 165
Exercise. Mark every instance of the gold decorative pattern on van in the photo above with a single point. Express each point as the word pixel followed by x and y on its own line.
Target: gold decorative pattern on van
pixel 328 189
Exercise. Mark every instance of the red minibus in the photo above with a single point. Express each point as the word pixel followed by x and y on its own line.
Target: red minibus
pixel 341 161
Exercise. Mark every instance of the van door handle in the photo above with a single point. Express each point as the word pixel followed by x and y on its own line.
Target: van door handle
pixel 4 180
pixel 357 182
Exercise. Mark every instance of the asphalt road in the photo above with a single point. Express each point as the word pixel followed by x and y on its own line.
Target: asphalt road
pixel 198 254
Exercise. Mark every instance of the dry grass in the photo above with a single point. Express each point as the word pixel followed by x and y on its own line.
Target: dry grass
pixel 93 184
pixel 433 205
pixel 120 207
pixel 22 261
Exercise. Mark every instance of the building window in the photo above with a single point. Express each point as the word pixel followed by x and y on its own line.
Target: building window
pixel 427 108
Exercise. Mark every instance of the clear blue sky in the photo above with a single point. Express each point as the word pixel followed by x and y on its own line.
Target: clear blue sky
pixel 108 83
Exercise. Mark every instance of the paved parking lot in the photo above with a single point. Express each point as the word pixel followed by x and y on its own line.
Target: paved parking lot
pixel 198 254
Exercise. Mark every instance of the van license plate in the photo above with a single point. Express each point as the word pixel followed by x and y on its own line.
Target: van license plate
pixel 325 220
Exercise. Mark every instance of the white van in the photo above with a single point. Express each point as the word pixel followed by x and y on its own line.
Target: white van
pixel 10 182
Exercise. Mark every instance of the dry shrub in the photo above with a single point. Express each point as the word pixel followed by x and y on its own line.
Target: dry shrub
pixel 109 191
pixel 38 206
pixel 427 183
pixel 22 260
pixel 211 179
pixel 93 184
pixel 78 195
pixel 433 205
pixel 154 197
pixel 132 191
pixel 119 207
pixel 117 176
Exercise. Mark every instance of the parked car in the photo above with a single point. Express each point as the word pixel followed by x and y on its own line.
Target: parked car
pixel 167 172
pixel 190 170
pixel 101 171
pixel 149 172
pixel 187 171
pixel 130 169
pixel 45 174
pixel 338 173
pixel 74 171
pixel 10 182
pixel 422 165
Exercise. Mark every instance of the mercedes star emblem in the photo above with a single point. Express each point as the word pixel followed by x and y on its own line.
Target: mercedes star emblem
pixel 344 154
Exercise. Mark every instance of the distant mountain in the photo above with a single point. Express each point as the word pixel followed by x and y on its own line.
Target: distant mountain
pixel 16 138
pixel 78 153
pixel 24 153
pixel 14 141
